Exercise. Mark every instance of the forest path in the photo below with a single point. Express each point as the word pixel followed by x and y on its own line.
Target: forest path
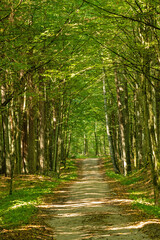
pixel 90 212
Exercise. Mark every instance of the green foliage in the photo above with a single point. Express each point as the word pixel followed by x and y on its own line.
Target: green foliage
pixel 131 180
pixel 18 215
pixel 141 199
pixel 21 205
pixel 55 51
pixel 151 210
pixel 112 174
pixel 70 173
pixel 140 196
pixel 18 208
pixel 128 180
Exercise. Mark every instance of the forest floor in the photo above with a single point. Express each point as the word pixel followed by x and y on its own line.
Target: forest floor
pixel 92 207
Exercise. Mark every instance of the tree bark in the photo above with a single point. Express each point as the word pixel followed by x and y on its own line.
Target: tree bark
pixel 96 141
pixel 123 125
pixel 110 140
pixel 85 145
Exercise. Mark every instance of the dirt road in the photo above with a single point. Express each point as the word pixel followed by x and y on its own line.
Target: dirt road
pixel 90 211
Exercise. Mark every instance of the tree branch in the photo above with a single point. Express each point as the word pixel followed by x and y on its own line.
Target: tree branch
pixel 123 16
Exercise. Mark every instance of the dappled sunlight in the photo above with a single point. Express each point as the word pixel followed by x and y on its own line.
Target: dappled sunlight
pixel 28 232
pixel 89 182
pixel 69 233
pixel 20 205
pixel 87 226
pixel 87 209
pixel 66 215
pixel 60 191
pixel 91 210
pixel 118 201
pixel 134 226
pixel 71 205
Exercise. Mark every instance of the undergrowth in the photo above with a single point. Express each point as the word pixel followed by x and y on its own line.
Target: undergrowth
pixel 131 179
pixel 151 210
pixel 18 208
pixel 137 189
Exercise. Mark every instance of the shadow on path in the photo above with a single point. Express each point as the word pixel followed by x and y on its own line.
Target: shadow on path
pixel 90 211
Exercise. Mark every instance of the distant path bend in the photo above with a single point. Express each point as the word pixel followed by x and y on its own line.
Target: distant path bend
pixel 88 212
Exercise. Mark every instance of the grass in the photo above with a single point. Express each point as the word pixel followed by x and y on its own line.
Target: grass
pixel 144 202
pixel 22 204
pixel 124 180
pixel 151 210
pixel 18 208
pixel 139 189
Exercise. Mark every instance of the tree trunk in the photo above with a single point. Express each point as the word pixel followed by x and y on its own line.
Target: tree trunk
pixel 6 153
pixel 41 136
pixel 12 147
pixel 31 141
pixel 121 89
pixel 126 126
pixel 96 141
pixel 110 140
pixel 85 145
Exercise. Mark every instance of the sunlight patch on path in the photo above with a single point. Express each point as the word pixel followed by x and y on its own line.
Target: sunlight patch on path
pixel 90 211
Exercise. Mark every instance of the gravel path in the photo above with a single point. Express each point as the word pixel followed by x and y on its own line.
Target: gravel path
pixel 88 213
